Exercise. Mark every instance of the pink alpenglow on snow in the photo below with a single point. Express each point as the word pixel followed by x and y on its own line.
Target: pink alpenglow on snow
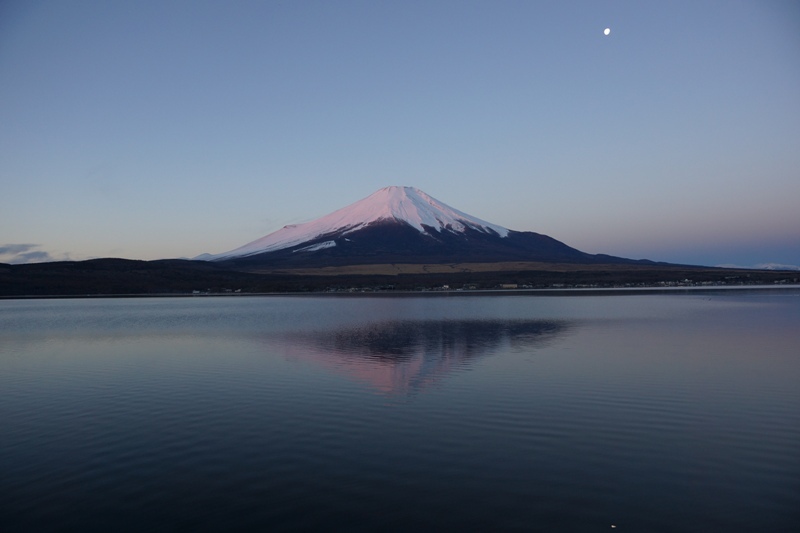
pixel 403 204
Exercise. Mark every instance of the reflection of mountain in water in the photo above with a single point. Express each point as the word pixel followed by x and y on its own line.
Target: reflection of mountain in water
pixel 408 355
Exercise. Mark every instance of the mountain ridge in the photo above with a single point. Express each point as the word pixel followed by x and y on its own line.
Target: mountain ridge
pixel 402 225
pixel 176 277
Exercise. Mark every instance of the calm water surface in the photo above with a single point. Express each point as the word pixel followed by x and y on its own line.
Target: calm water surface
pixel 649 412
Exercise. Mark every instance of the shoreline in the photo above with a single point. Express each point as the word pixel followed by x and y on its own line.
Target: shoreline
pixel 552 291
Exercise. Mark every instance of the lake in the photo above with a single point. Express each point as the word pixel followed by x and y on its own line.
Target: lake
pixel 530 411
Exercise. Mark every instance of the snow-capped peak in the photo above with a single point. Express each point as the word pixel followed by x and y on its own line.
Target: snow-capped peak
pixel 402 204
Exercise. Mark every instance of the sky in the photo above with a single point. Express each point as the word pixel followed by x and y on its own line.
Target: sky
pixel 161 129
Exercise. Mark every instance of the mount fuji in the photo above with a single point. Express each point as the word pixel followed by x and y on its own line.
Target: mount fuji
pixel 402 225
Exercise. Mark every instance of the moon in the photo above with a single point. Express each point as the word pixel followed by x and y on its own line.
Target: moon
pixel 606 31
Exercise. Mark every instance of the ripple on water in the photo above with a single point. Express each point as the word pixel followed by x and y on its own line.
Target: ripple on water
pixel 486 414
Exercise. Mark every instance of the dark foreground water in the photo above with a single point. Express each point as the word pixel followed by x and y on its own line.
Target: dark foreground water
pixel 648 412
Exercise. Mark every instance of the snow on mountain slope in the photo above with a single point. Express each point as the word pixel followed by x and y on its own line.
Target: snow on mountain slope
pixel 403 204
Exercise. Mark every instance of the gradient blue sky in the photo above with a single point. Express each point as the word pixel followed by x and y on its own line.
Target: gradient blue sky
pixel 155 129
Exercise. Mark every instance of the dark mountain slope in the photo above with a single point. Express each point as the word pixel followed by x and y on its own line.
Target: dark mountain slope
pixel 396 242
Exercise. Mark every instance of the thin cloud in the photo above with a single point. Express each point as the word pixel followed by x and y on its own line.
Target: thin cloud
pixel 6 249
pixel 18 254
pixel 763 266
pixel 777 266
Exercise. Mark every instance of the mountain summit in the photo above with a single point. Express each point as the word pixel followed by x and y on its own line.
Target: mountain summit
pixel 407 205
pixel 401 225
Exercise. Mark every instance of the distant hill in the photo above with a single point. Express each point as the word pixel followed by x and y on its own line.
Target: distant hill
pixel 99 277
